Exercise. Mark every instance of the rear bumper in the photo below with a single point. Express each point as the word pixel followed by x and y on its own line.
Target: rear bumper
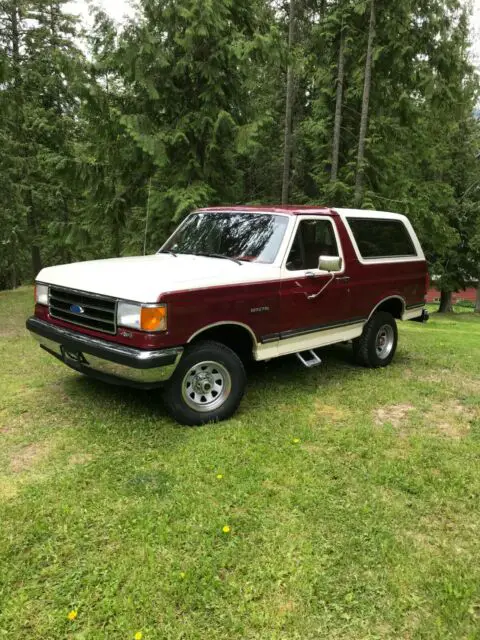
pixel 416 312
pixel 424 317
pixel 107 361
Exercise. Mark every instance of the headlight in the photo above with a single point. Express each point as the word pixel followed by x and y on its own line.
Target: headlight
pixel 41 294
pixel 143 318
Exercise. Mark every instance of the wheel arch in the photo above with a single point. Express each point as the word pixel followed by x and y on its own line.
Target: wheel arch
pixel 393 304
pixel 236 335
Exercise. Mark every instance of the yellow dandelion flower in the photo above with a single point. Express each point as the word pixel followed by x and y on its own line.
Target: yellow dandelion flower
pixel 296 440
pixel 219 476
pixel 226 529
pixel 72 615
pixel 138 635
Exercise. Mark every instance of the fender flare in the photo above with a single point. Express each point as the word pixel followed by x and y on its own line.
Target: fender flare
pixel 392 297
pixel 226 323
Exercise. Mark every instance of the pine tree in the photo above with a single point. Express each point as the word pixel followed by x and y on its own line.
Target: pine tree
pixel 187 62
pixel 39 99
pixel 338 105
pixel 287 150
pixel 365 106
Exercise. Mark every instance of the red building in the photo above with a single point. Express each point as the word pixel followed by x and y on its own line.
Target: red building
pixel 469 294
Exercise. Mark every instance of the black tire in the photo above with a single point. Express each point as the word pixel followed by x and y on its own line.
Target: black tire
pixel 367 350
pixel 190 393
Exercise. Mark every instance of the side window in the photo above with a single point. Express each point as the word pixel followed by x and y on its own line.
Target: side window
pixel 381 238
pixel 314 238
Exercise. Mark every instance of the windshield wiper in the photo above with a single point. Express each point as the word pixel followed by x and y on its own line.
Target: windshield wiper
pixel 220 255
pixel 172 253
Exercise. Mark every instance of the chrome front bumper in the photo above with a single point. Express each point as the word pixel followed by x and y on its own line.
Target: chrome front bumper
pixel 107 361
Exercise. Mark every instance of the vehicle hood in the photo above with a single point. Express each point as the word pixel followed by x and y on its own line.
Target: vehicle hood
pixel 145 278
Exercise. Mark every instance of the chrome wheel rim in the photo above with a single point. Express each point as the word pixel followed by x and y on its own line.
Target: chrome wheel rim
pixel 206 386
pixel 384 341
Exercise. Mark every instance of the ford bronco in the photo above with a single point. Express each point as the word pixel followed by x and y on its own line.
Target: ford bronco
pixel 234 283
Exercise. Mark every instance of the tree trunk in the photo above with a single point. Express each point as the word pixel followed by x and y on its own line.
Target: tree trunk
pixel 15 45
pixel 36 260
pixel 33 231
pixel 323 9
pixel 116 240
pixel 15 18
pixel 477 303
pixel 446 305
pixel 338 109
pixel 287 152
pixel 14 262
pixel 359 181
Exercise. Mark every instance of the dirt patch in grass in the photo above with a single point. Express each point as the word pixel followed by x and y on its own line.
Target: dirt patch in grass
pixel 453 381
pixel 313 448
pixel 423 541
pixel 284 603
pixel 330 412
pixel 22 469
pixel 450 419
pixel 9 333
pixel 29 456
pixel 286 607
pixel 394 414
pixel 8 489
pixel 80 458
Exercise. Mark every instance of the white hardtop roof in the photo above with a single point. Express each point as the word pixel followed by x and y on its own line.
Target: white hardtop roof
pixel 365 213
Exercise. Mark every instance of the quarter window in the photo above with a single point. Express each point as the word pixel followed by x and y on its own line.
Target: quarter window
pixel 377 238
pixel 314 238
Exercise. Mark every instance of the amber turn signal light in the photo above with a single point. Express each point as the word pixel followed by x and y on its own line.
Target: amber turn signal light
pixel 153 318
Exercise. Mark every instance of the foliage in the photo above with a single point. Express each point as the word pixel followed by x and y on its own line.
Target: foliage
pixel 185 106
pixel 43 74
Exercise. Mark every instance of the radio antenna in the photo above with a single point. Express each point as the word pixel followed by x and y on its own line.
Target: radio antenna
pixel 147 217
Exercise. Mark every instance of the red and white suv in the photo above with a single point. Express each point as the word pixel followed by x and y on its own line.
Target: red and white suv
pixel 229 284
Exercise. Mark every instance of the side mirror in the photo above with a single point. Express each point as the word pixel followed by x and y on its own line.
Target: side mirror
pixel 330 263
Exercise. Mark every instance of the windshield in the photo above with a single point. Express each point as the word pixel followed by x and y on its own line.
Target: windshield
pixel 251 237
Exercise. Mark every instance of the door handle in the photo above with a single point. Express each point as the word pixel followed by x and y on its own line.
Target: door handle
pixel 343 279
pixel 311 274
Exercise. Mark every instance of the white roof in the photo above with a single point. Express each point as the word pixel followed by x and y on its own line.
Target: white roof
pixel 365 213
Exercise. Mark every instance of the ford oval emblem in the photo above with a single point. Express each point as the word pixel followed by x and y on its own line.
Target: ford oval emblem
pixel 75 308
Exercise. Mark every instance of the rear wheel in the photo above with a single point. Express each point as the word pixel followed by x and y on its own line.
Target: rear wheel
pixel 377 345
pixel 207 385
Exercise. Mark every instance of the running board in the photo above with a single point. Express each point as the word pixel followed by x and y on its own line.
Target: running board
pixel 312 361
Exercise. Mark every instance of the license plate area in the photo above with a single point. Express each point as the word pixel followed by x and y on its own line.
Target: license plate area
pixel 75 357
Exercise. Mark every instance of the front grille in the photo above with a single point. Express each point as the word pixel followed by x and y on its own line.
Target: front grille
pixel 97 312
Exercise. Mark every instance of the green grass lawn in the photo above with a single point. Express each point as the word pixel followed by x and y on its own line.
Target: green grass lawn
pixel 352 497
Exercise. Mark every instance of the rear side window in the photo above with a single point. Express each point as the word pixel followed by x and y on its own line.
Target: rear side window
pixel 377 238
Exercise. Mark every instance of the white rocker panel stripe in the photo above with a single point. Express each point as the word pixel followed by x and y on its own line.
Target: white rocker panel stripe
pixel 307 341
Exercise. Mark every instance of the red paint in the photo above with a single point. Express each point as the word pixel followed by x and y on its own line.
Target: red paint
pixel 370 284
pixel 189 311
pixel 297 311
pixel 293 210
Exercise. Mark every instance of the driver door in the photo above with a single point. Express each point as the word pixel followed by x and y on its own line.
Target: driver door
pixel 303 320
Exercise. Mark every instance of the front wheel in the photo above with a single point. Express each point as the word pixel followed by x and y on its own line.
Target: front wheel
pixel 377 345
pixel 207 385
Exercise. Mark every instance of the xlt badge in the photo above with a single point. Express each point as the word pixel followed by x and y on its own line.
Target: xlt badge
pixel 259 309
